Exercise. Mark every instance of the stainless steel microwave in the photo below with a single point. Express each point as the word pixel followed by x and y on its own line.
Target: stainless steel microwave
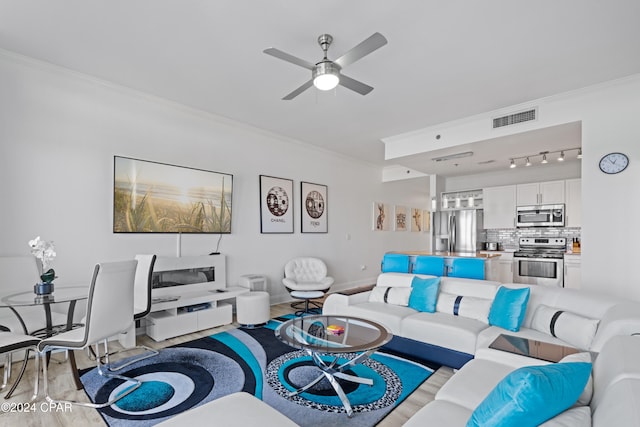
pixel 540 216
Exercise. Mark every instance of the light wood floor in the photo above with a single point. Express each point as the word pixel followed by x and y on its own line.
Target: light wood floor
pixel 18 411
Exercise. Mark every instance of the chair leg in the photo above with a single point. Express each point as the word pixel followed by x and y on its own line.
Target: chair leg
pixel 148 352
pixel 105 373
pixel 5 375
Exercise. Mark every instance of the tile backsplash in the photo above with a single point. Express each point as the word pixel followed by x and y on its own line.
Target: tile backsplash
pixel 508 237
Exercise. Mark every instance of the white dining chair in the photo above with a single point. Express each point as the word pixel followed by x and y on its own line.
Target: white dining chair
pixel 141 306
pixel 109 313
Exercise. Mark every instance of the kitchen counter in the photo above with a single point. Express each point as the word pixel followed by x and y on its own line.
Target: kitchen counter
pixel 483 254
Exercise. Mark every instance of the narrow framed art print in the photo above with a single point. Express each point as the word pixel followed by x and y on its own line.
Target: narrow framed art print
pixel 276 205
pixel 313 199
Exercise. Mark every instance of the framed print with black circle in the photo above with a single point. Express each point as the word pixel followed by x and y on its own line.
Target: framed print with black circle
pixel 313 201
pixel 276 205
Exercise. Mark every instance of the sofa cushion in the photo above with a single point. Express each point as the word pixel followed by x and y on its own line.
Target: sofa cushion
pixel 390 295
pixel 509 307
pixel 574 417
pixel 587 393
pixel 465 306
pixel 531 395
pixel 398 279
pixel 424 294
pixel 439 413
pixel 389 315
pixel 473 382
pixel 617 361
pixel 620 405
pixel 444 330
pixel 570 327
pixel 469 287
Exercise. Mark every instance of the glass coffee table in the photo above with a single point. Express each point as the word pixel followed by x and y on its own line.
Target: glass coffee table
pixel 322 335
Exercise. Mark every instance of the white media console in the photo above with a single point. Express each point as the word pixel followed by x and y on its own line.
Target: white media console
pixel 189 295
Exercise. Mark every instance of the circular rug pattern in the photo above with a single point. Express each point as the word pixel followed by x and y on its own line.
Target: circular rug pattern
pixel 296 369
pixel 175 380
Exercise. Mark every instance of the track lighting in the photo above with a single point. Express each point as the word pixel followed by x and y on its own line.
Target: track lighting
pixel 513 161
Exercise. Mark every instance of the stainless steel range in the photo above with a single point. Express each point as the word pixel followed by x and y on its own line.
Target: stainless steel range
pixel 540 261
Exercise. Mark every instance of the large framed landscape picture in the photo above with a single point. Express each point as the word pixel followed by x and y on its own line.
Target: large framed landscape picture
pixel 152 197
pixel 276 205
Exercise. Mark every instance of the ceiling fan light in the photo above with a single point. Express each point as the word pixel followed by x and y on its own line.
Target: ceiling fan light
pixel 326 81
pixel 326 75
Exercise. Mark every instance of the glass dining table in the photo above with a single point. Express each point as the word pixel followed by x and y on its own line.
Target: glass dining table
pixel 62 294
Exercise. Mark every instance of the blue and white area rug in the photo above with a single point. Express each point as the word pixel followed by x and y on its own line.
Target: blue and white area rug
pixel 253 360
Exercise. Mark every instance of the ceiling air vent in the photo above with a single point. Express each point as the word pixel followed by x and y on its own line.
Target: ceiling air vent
pixel 512 119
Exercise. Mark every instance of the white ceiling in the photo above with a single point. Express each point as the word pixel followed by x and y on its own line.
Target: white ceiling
pixel 444 60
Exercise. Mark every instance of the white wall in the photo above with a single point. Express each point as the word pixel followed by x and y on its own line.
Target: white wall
pixel 59 132
pixel 610 203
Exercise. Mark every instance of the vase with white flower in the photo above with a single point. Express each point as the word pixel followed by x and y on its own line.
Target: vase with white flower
pixel 45 252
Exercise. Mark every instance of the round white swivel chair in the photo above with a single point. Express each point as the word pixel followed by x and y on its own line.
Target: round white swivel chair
pixel 306 278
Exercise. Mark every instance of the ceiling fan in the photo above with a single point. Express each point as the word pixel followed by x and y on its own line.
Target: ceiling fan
pixel 326 74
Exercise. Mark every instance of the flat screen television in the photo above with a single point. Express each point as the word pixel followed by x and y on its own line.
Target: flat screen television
pixel 152 197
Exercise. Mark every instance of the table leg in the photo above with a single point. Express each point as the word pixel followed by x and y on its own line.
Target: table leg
pixel 72 354
pixel 331 372
pixel 343 397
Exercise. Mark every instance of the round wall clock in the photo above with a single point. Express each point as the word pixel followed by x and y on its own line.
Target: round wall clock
pixel 614 163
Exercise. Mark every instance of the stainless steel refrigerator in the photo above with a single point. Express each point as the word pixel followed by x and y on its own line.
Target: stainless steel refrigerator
pixel 457 231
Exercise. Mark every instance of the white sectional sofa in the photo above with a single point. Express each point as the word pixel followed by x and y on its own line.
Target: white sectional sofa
pixel 602 327
pixel 454 340
pixel 613 395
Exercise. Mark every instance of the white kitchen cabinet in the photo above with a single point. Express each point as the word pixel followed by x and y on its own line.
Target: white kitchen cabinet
pixel 499 207
pixel 573 201
pixel 501 268
pixel 538 193
pixel 572 271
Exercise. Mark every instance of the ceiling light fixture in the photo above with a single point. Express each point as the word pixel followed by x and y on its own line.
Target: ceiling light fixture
pixel 453 156
pixel 326 75
pixel 513 161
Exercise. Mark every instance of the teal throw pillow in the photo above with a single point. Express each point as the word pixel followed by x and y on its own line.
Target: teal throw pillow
pixel 424 295
pixel 532 395
pixel 509 307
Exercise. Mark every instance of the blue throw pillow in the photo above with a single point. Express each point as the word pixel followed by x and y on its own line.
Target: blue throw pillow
pixel 509 307
pixel 424 294
pixel 532 395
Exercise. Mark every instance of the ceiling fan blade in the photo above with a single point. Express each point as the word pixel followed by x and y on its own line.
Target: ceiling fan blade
pixel 289 58
pixel 355 85
pixel 374 42
pixel 298 91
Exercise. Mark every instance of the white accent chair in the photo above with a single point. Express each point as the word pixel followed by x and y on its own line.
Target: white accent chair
pixel 306 278
pixel 109 313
